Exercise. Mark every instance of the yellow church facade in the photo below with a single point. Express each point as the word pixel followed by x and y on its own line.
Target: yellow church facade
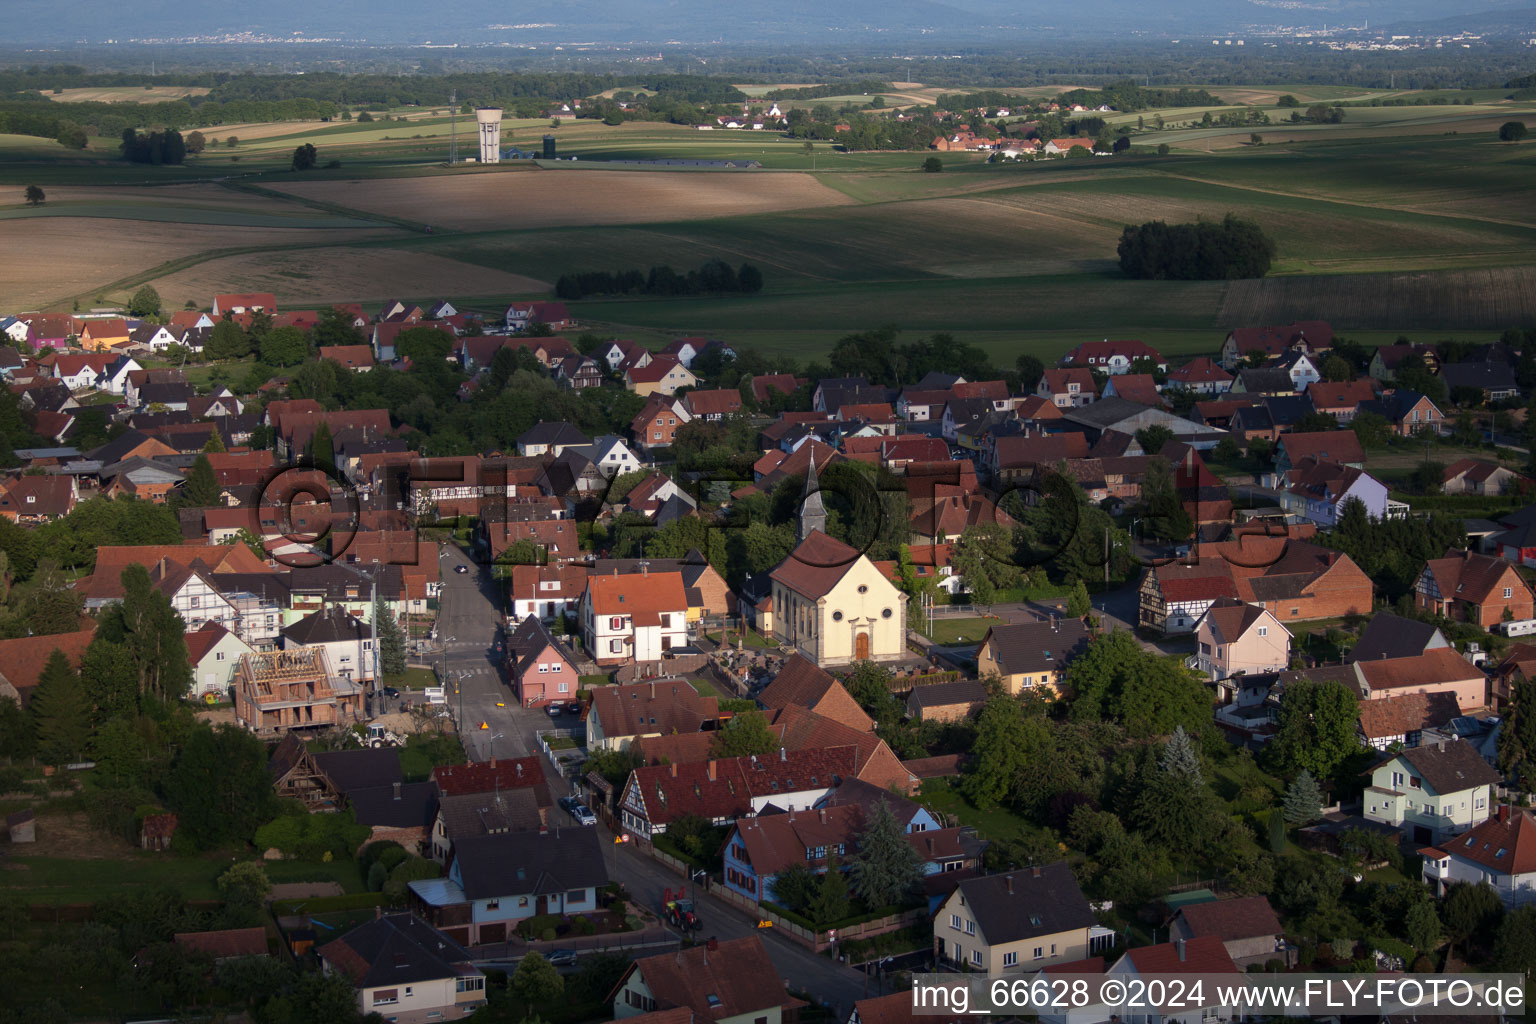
pixel 832 605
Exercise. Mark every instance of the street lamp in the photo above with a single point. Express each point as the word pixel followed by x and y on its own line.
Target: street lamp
pixel 493 745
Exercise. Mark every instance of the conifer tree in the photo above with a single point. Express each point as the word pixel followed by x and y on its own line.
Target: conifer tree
pixel 59 712
pixel 1303 800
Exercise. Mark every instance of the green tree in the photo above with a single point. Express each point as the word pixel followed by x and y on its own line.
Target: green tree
pixel 215 442
pixel 933 165
pixel 1517 740
pixel 830 903
pixel 1078 602
pixel 1175 809
pixel 1422 927
pixel 285 346
pixel 870 684
pixel 17 739
pixel 145 302
pixel 1317 730
pixel 885 869
pixel 152 634
pixel 746 733
pixel 304 157
pixel 984 556
pixel 245 886
pixel 999 754
pixel 321 449
pixel 219 786
pixel 1163 149
pixel 196 142
pixel 35 195
pixel 1149 693
pixel 1470 909
pixel 1372 429
pixel 201 489
pixel 391 644
pixel 1512 131
pixel 1337 368
pixel 227 341
pixel 60 716
pixel 535 980
pixel 1153 439
pixel 1303 800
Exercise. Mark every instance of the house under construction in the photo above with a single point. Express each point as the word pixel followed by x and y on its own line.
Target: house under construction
pixel 278 691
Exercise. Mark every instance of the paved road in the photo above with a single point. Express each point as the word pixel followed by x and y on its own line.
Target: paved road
pixel 469 623
pixel 469 628
pixel 829 982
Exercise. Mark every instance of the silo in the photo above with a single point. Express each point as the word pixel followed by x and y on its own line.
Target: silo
pixel 549 147
pixel 490 134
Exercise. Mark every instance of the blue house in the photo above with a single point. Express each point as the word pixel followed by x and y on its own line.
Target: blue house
pixel 910 815
pixel 497 880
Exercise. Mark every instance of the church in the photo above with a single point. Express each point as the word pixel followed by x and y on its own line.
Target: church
pixel 829 601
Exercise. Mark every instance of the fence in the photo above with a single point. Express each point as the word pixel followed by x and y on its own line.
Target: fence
pixel 816 941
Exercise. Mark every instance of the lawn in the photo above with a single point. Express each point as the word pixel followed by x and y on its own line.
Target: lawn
pixel 961 631
pixel 73 881
pixel 995 824
pixel 749 638
pixel 704 688
pixel 597 679
pixel 412 679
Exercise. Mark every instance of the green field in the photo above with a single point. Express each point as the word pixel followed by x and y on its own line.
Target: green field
pixel 1399 220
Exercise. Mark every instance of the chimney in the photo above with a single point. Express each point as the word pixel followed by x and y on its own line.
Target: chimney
pixel 822 813
pixel 653 689
pixel 711 770
pixel 519 770
pixel 1178 946
pixel 713 945
pixel 673 767
pixel 782 756
pixel 397 791
pixel 645 570
pixel 1035 871
pixel 930 850
pixel 1007 879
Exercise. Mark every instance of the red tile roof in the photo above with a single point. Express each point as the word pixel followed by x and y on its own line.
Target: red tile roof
pixel 22 659
pixel 634 709
pixel 1403 713
pixel 715 979
pixel 1505 843
pixel 350 356
pixel 725 788
pixel 228 942
pixel 1333 445
pixel 1199 370
pixel 801 681
pixel 636 594
pixel 713 402
pixel 488 776
pixel 816 565
pixel 1467 576
pixel 1435 666
pixel 1245 918
pixel 1202 955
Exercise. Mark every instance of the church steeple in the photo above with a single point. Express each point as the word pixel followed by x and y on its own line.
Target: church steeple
pixel 813 514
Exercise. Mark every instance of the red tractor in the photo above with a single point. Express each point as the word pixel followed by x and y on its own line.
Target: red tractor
pixel 678 910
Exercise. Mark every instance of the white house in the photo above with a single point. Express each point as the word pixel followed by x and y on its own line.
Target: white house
pixel 192 593
pixel 634 617
pixel 1317 490
pixel 1500 852
pixel 115 377
pixel 613 456
pixel 405 970
pixel 213 652
pixel 347 641
pixel 1432 791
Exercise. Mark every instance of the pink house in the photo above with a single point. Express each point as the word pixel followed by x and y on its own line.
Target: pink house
pixel 1234 638
pixel 538 667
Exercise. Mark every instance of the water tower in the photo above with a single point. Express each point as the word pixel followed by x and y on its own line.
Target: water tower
pixel 489 119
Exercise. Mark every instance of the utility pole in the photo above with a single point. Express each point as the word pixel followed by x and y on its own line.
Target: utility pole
pixel 373 619
pixel 1106 559
pixel 453 127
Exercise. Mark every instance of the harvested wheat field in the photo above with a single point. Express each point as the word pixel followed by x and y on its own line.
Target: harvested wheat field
pixel 573 198
pixel 125 94
pixel 50 259
pixel 319 275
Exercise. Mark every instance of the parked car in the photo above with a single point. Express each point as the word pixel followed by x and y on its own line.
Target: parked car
pixel 583 815
pixel 461 568
pixel 561 957
pixel 553 710
pixel 390 691
pixel 567 803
